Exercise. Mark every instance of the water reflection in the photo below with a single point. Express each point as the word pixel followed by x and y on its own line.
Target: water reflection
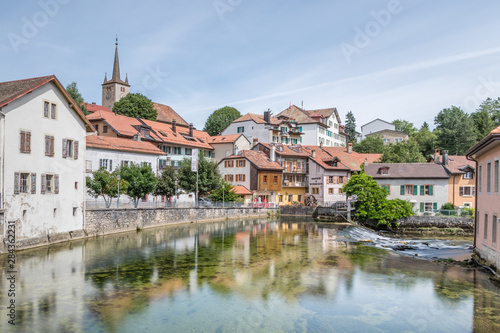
pixel 252 275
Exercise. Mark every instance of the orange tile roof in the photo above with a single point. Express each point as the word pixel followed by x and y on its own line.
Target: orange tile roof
pixel 166 114
pixel 258 159
pixel 121 144
pixel 456 163
pixel 12 90
pixel 354 159
pixel 122 125
pixel 495 130
pixel 95 107
pixel 230 138
pixel 288 150
pixel 257 118
pixel 241 190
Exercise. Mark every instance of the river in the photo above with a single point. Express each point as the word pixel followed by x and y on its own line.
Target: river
pixel 267 275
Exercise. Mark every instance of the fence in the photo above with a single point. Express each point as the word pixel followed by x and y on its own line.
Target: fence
pixel 461 212
pixel 158 204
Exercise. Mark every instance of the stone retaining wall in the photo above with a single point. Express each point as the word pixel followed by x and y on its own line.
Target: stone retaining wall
pixel 419 222
pixel 297 210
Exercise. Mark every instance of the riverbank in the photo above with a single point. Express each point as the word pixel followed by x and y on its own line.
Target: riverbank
pixel 100 222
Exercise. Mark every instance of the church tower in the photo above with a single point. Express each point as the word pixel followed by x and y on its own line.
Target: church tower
pixel 114 89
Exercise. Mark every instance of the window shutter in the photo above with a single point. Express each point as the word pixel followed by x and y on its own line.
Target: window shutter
pixel 64 148
pixel 110 165
pixel 473 190
pixel 402 190
pixel 56 184
pixel 33 183
pixel 51 146
pixel 23 142
pixel 461 191
pixel 422 207
pixel 431 190
pixel 43 185
pixel 422 190
pixel 415 189
pixel 47 145
pixel 28 142
pixel 76 150
pixel 434 206
pixel 17 182
pixel 243 178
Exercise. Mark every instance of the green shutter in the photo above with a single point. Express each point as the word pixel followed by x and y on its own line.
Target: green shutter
pixel 431 190
pixel 422 207
pixel 415 189
pixel 434 206
pixel 422 190
pixel 402 190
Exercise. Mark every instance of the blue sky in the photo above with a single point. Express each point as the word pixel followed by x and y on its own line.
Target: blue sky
pixel 404 59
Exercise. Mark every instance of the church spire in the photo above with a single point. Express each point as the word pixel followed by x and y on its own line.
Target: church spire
pixel 116 65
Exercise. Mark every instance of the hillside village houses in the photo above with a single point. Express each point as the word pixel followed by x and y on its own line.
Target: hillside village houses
pixel 42 156
pixel 383 128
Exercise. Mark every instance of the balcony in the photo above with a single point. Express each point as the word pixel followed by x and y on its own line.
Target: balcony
pixel 287 183
pixel 294 170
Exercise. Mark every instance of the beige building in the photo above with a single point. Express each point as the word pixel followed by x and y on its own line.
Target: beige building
pixel 391 136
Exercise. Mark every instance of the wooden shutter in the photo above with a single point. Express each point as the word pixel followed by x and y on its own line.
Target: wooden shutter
pixel 23 142
pixel 33 183
pixel 28 142
pixel 422 207
pixel 43 185
pixel 76 150
pixel 434 206
pixel 402 190
pixel 17 182
pixel 431 190
pixel 243 178
pixel 56 184
pixel 461 191
pixel 422 190
pixel 51 146
pixel 64 148
pixel 415 189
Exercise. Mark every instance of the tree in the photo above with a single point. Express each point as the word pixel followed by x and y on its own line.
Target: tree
pixel 350 127
pixel 135 105
pixel 208 176
pixel 224 191
pixel 405 126
pixel 141 181
pixel 483 122
pixel 165 183
pixel 403 152
pixel 456 130
pixel 492 106
pixel 72 90
pixel 220 119
pixel 372 203
pixel 373 144
pixel 105 184
pixel 426 139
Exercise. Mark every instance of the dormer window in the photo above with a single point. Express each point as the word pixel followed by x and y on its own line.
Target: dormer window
pixel 383 171
pixel 144 131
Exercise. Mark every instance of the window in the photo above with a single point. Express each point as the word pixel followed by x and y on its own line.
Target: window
pixel 408 190
pixel 299 197
pixel 240 178
pixel 341 179
pixel 229 164
pixel 398 139
pixel 468 175
pixel 387 188
pixel 52 111
pixel 96 129
pixel 428 189
pixel 106 164
pixel 70 149
pixel 467 191
pixel 177 151
pixel 105 129
pixel 188 151
pixel 126 163
pixel 280 198
pixel 428 207
pixel 264 179
pixel 290 198
pixel 88 166
pixel 330 180
pixel 387 140
pixel 315 190
pixel 228 178
pixel 49 110
pixel 275 179
pixel 49 145
pixel 25 142
pixel 240 163
pixel 24 184
pixel 488 177
pixel 495 177
pixel 241 129
pixel 494 230
pixel 330 190
pixel 384 171
pixel 46 106
pixel 50 184
pixel 486 226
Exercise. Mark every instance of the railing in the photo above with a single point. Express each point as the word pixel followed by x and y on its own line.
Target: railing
pixel 451 213
pixel 294 170
pixel 158 204
pixel 294 184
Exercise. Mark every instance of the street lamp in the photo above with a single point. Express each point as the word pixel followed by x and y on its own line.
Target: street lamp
pixel 118 199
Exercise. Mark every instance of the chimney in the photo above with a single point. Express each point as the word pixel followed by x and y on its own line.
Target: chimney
pixel 272 155
pixel 255 141
pixel 267 116
pixel 313 154
pixel 93 103
pixel 321 144
pixel 174 125
pixel 445 157
pixel 349 148
pixel 191 130
pixel 437 153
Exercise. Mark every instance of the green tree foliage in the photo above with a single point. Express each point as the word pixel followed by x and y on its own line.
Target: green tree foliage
pixel 483 122
pixel 141 181
pixel 350 127
pixel 456 130
pixel 105 184
pixel 220 119
pixel 426 139
pixel 373 144
pixel 224 191
pixel 492 106
pixel 208 176
pixel 372 201
pixel 165 183
pixel 448 206
pixel 405 126
pixel 72 90
pixel 135 105
pixel 403 152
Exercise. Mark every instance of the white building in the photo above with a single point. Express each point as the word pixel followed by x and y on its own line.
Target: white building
pixel 42 152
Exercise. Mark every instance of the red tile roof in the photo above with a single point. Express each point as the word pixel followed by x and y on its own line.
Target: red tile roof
pixel 241 190
pixel 95 107
pixel 12 90
pixel 352 160
pixel 110 143
pixel 457 163
pixel 258 159
pixel 230 138
pixel 166 114
pixel 257 118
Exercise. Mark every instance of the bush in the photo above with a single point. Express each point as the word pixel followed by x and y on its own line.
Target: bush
pixel 448 206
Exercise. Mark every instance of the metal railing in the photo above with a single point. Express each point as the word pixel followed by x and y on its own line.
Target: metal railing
pixel 93 204
pixel 451 213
